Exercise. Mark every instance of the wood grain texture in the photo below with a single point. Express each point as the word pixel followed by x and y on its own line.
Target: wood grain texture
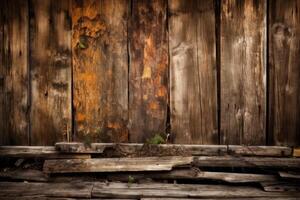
pixel 115 164
pixel 100 68
pixel 50 53
pixel 46 152
pixel 194 174
pixel 14 82
pixel 148 72
pixel 193 84
pixel 284 81
pixel 243 66
pixel 177 191
pixel 21 189
pixel 249 162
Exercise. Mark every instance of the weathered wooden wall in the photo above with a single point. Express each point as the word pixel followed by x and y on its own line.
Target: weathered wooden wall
pixel 197 72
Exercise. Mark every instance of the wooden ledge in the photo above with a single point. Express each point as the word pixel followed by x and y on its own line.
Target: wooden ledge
pixel 135 149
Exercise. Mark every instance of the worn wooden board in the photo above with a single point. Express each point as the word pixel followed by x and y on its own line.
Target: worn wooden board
pixel 284 49
pixel 289 175
pixel 280 186
pixel 40 197
pixel 100 69
pixel 139 149
pixel 148 71
pixel 115 164
pixel 123 190
pixel 24 175
pixel 194 174
pixel 48 152
pixel 240 198
pixel 21 189
pixel 14 82
pixel 243 72
pixel 276 151
pixel 193 83
pixel 50 71
pixel 249 162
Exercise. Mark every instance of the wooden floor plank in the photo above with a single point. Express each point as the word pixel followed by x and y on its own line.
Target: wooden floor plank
pixel 195 174
pixel 25 175
pixel 251 162
pixel 119 190
pixel 21 189
pixel 115 164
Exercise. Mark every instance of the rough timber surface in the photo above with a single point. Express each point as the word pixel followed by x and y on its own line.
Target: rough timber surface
pixel 100 190
pixel 243 72
pixel 195 174
pixel 115 164
pixel 37 152
pixel 193 74
pixel 100 70
pixel 138 149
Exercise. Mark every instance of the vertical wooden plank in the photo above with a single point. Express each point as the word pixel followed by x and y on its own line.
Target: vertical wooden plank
pixel 13 72
pixel 243 36
pixel 100 66
pixel 148 71
pixel 193 72
pixel 284 67
pixel 50 60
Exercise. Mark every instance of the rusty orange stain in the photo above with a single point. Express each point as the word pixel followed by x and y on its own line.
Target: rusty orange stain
pixel 161 92
pixel 114 125
pixel 80 117
pixel 153 105
pixel 87 76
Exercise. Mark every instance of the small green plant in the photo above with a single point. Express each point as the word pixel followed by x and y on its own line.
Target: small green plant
pixel 83 42
pixel 82 45
pixel 156 139
pixel 130 180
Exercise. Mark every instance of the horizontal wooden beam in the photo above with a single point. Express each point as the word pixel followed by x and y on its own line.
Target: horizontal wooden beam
pixel 138 149
pixel 115 164
pixel 276 151
pixel 194 174
pixel 121 190
pixel 251 162
pixel 163 163
pixel 82 151
pixel 290 175
pixel 100 190
pixel 23 189
pixel 24 174
pixel 48 152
